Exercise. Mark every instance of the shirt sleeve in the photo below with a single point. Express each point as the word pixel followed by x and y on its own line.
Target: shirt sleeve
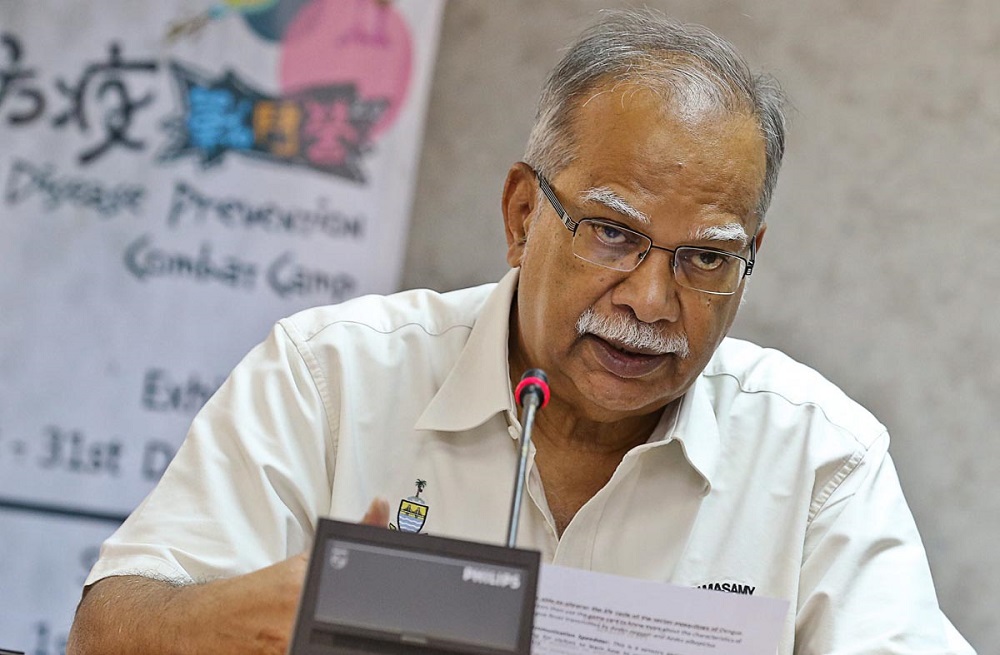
pixel 865 584
pixel 247 484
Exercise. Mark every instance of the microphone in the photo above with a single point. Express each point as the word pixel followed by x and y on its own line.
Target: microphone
pixel 532 393
pixel 535 383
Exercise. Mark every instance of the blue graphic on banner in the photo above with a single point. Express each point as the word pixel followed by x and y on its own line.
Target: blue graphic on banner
pixel 324 128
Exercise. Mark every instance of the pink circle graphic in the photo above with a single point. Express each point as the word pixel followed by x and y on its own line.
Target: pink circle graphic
pixel 362 42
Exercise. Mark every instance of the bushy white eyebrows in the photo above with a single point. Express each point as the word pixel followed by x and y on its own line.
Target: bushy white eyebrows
pixel 614 202
pixel 731 232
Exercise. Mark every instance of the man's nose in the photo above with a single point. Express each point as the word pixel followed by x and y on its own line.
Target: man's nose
pixel 650 291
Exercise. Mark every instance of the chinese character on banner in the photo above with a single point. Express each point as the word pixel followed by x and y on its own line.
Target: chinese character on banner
pixel 334 134
pixel 29 102
pixel 276 126
pixel 105 84
pixel 219 120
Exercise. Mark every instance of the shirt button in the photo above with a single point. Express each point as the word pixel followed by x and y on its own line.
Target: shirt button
pixel 514 432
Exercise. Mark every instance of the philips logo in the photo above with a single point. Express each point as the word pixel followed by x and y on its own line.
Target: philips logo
pixel 492 577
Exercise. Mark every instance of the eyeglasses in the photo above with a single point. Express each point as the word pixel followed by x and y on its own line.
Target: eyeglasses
pixel 614 246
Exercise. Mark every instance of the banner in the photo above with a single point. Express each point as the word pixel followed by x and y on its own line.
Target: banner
pixel 175 177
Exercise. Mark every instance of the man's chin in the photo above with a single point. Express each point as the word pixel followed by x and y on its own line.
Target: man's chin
pixel 609 398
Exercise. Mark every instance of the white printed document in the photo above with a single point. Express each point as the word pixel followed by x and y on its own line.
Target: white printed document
pixel 586 612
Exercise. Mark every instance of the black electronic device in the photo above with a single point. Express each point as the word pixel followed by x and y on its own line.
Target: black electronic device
pixel 370 590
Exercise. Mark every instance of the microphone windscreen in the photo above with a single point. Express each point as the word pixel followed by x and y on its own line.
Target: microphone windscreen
pixel 534 381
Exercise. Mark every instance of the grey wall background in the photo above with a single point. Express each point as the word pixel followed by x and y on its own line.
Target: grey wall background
pixel 880 267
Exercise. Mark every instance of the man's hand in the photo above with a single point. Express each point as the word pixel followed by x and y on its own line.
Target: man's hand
pixel 246 614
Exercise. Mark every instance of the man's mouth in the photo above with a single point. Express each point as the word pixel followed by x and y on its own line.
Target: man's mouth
pixel 624 361
pixel 628 350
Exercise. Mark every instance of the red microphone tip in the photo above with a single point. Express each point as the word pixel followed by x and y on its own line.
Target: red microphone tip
pixel 530 383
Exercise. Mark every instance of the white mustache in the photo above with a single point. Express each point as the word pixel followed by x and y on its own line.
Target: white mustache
pixel 631 333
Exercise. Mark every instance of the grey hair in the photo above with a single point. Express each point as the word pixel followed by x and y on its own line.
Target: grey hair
pixel 644 47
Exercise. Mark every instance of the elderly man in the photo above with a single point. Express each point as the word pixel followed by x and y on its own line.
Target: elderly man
pixel 668 452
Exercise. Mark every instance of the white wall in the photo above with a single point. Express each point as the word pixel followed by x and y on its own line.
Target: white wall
pixel 881 260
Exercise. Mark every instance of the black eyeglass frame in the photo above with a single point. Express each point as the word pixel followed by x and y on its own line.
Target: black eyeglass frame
pixel 572 226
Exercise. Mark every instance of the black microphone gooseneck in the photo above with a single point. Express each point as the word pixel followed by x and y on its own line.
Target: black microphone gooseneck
pixel 532 393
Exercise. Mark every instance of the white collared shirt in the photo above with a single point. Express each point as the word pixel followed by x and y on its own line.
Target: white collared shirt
pixel 767 480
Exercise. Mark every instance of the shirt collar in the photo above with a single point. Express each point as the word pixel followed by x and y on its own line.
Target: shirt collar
pixel 696 428
pixel 478 386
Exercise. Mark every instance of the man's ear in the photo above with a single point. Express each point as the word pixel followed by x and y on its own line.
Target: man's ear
pixel 760 235
pixel 520 194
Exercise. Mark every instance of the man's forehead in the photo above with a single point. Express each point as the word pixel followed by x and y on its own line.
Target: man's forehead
pixel 624 127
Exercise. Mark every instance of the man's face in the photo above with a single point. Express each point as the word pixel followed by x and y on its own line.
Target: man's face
pixel 681 177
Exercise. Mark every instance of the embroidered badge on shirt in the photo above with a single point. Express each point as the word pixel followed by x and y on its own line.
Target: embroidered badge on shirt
pixel 412 512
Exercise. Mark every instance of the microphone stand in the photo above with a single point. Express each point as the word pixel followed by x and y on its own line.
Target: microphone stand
pixel 532 393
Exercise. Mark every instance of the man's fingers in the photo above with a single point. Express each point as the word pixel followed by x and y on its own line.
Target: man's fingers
pixel 377 514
